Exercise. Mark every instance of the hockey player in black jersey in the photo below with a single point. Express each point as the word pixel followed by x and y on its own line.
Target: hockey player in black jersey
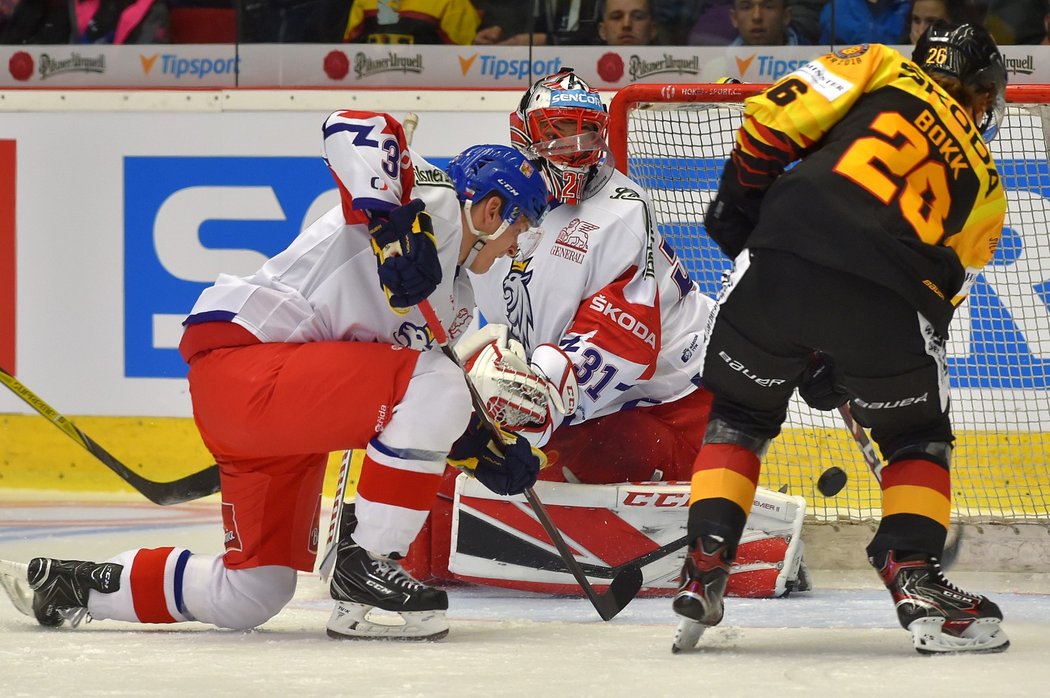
pixel 861 250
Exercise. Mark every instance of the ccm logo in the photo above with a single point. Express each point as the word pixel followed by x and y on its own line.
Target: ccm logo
pixel 656 499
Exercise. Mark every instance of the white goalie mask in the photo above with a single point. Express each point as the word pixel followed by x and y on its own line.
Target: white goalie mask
pixel 562 125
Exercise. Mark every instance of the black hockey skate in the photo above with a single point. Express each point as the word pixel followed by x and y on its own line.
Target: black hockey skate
pixel 940 616
pixel 61 587
pixel 702 586
pixel 362 581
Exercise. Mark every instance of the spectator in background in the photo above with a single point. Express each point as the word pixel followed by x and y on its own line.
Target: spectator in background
pixel 284 21
pixel 430 22
pixel 626 23
pixel 763 23
pixel 37 22
pixel 863 21
pixel 501 20
pixel 1016 21
pixel 121 22
pixel 674 19
pixel 7 8
pixel 713 26
pixel 559 22
pixel 805 19
pixel 86 22
pixel 923 13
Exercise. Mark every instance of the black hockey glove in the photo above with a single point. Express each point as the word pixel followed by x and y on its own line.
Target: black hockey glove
pixel 405 247
pixel 819 385
pixel 733 214
pixel 505 470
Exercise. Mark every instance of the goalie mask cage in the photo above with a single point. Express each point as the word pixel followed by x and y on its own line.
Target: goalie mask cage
pixel 673 140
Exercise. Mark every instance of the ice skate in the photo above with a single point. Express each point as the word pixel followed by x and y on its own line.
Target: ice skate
pixel 698 602
pixel 362 582
pixel 13 581
pixel 59 588
pixel 940 616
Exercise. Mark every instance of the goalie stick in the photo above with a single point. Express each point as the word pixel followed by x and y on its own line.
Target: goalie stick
pixel 627 581
pixel 408 125
pixel 875 465
pixel 194 486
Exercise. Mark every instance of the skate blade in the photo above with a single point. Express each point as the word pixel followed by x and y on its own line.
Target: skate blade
pixel 982 635
pixel 354 621
pixel 13 577
pixel 687 635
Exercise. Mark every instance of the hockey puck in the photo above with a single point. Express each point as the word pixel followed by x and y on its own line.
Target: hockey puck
pixel 831 481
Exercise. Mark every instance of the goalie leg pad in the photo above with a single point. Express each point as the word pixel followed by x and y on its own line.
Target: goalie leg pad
pixel 495 541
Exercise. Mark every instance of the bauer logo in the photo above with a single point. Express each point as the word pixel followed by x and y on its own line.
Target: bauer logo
pixel 188 219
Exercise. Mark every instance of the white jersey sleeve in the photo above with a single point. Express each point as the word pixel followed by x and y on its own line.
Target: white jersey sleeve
pixel 370 160
pixel 606 288
pixel 324 286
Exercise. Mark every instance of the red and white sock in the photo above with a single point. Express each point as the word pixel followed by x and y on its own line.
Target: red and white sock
pixel 150 588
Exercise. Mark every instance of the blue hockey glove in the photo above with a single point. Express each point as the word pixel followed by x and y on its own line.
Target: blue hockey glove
pixel 505 470
pixel 405 247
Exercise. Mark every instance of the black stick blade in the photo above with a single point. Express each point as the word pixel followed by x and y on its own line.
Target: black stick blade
pixel 622 590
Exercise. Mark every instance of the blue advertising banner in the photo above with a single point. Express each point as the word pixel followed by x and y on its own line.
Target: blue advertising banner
pixel 189 218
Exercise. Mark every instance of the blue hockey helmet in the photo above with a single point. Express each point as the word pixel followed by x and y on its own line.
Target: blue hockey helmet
pixel 482 170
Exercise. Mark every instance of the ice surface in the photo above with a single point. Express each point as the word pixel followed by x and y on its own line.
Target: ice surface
pixel 841 638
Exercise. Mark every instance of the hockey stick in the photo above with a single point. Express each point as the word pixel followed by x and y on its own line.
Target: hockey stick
pixel 328 560
pixel 626 582
pixel 867 449
pixel 408 125
pixel 875 465
pixel 195 486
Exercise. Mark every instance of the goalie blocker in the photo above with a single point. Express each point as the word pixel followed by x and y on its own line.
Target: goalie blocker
pixel 473 535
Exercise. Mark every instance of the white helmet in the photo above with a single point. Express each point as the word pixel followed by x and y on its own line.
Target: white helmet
pixel 562 124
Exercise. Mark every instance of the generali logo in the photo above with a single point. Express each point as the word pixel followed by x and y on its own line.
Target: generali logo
pixel 572 240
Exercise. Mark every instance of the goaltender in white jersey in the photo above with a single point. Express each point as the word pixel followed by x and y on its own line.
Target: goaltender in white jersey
pixel 592 351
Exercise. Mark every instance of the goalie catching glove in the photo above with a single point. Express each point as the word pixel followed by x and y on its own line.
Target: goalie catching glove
pixel 405 247
pixel 505 469
pixel 521 395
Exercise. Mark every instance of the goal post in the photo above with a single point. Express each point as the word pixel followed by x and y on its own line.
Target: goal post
pixel 673 139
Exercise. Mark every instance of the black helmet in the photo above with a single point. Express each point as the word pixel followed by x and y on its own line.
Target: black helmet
pixel 966 52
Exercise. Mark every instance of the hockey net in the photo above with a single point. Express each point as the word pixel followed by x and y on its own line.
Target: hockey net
pixel 673 141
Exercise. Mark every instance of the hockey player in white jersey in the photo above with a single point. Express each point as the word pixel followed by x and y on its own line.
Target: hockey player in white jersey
pixel 591 350
pixel 320 350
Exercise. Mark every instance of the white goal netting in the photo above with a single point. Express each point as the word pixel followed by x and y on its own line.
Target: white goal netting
pixel 673 140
